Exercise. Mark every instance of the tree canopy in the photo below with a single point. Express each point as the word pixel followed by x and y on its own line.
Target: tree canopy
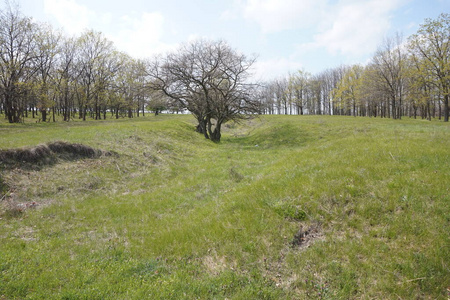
pixel 210 80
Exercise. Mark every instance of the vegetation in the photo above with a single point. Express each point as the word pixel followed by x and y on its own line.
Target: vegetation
pixel 285 207
pixel 45 75
pixel 210 81
pixel 403 79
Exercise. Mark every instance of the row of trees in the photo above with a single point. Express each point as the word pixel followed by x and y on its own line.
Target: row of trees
pixel 43 72
pixel 409 78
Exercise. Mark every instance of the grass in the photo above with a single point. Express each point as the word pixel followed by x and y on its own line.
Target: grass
pixel 174 216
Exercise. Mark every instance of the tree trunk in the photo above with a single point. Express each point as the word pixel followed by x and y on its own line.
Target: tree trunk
pixel 44 115
pixel 84 112
pixel 201 127
pixel 11 110
pixel 216 135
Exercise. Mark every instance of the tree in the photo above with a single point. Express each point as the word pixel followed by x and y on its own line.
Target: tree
pixel 388 64
pixel 420 86
pixel 66 76
pixel 48 44
pixel 265 94
pixel 348 90
pixel 298 83
pixel 279 88
pixel 314 96
pixel 209 79
pixel 128 86
pixel 96 66
pixel 17 58
pixel 432 46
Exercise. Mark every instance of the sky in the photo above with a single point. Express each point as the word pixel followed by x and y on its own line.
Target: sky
pixel 284 35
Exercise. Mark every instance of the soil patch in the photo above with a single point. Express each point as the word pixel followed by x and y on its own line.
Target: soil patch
pixel 303 238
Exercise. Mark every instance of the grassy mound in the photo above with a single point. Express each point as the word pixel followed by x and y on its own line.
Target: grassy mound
pixel 285 207
pixel 47 154
pixel 37 155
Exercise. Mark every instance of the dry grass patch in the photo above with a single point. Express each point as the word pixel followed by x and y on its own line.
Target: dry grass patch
pixel 47 154
pixel 20 179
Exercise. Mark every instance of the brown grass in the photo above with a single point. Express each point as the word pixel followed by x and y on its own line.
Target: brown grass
pixel 47 154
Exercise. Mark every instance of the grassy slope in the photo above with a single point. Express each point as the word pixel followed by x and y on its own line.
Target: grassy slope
pixel 176 216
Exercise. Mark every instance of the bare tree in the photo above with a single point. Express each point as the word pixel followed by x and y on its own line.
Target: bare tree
pixel 209 79
pixel 388 64
pixel 66 77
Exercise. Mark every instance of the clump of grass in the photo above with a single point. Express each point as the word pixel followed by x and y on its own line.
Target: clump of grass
pixel 235 175
pixel 3 187
pixel 69 150
pixel 290 211
pixel 37 155
pixel 11 209
pixel 47 154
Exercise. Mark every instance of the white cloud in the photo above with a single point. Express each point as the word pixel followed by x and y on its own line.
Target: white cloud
pixel 141 37
pixel 278 15
pixel 74 18
pixel 350 27
pixel 354 28
pixel 358 27
pixel 273 68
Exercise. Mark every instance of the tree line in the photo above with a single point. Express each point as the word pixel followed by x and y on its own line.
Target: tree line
pixel 404 78
pixel 44 75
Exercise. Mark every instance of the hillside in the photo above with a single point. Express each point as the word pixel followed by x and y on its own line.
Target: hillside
pixel 285 207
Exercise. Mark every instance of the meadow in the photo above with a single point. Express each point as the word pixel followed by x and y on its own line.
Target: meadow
pixel 284 207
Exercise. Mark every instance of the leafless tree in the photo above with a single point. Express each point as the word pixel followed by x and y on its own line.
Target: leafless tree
pixel 66 77
pixel 388 64
pixel 208 78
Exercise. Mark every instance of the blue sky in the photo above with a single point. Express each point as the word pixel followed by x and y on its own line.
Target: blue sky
pixel 286 35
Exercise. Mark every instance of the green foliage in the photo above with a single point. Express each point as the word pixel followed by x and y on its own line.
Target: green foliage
pixel 348 93
pixel 288 210
pixel 430 49
pixel 172 216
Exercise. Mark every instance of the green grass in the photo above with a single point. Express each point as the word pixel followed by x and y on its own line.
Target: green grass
pixel 174 216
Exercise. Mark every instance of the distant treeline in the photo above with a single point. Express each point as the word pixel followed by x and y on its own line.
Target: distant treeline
pixel 404 78
pixel 44 74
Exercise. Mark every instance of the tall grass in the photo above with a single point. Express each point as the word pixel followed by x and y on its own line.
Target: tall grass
pixel 174 216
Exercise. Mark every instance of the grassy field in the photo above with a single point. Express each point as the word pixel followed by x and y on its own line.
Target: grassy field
pixel 285 207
